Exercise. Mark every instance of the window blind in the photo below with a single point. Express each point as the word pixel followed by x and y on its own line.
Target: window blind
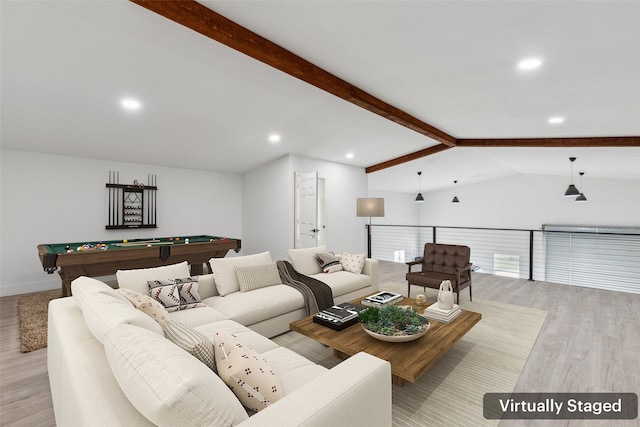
pixel 595 257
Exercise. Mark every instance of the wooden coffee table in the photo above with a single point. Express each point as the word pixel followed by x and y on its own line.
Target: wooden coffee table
pixel 409 360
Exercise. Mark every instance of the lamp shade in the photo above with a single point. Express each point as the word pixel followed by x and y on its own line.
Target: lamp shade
pixel 372 206
pixel 571 191
pixel 419 198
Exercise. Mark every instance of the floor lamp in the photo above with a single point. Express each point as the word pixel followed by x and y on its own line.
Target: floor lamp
pixel 370 207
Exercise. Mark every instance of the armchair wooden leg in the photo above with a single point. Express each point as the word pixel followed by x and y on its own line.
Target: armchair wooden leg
pixel 409 290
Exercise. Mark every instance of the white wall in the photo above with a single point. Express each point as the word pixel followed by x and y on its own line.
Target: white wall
pixel 399 208
pixel 268 209
pixel 528 201
pixel 53 199
pixel 269 205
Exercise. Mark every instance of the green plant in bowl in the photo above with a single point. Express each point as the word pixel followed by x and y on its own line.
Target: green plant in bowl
pixel 393 320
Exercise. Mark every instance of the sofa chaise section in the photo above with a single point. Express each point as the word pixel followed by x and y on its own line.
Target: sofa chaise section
pixel 85 390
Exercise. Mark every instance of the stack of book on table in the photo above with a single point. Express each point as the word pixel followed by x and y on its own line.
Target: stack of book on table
pixel 338 316
pixel 433 312
pixel 381 299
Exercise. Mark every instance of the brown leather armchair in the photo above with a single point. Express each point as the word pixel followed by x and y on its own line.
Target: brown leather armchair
pixel 442 262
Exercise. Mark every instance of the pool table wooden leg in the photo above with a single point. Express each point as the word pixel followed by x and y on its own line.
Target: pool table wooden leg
pixel 66 283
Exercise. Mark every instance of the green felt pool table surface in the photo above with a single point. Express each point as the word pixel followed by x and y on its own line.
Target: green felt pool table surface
pixel 71 263
pixel 62 248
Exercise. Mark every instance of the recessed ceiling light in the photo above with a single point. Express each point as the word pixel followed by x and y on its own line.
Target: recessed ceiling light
pixel 349 155
pixel 131 104
pixel 529 63
pixel 274 138
pixel 556 120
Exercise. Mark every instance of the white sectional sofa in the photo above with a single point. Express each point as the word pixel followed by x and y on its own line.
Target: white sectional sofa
pixel 267 310
pixel 111 365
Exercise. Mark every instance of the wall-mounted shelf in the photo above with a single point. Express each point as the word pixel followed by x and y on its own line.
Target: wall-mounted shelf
pixel 131 205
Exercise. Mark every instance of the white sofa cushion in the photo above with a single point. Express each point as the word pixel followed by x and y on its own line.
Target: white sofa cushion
pixel 82 286
pixel 246 373
pixel 198 316
pixel 192 341
pixel 293 370
pixel 343 282
pixel 304 260
pixel 248 308
pixel 166 384
pixel 207 286
pixel 225 273
pixel 257 276
pixel 251 338
pixel 103 312
pixel 137 279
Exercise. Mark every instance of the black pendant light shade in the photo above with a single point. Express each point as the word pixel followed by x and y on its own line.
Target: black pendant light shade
pixel 581 197
pixel 572 191
pixel 419 198
pixel 455 197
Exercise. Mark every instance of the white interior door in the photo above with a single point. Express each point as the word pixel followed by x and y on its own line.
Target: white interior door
pixel 306 209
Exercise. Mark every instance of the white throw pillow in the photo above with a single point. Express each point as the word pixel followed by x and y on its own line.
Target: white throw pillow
pixel 304 260
pixel 225 273
pixel 246 373
pixel 352 262
pixel 257 276
pixel 137 279
pixel 103 312
pixel 146 304
pixel 166 384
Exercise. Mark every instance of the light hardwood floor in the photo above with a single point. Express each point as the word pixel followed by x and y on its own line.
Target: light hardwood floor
pixel 590 342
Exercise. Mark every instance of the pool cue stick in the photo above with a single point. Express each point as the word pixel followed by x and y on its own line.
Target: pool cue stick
pixel 154 177
pixel 149 200
pixel 109 197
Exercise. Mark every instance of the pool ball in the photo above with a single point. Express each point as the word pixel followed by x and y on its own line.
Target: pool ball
pixel 125 241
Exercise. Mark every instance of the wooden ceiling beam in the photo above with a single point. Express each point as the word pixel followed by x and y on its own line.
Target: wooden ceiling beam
pixel 588 142
pixel 407 158
pixel 203 20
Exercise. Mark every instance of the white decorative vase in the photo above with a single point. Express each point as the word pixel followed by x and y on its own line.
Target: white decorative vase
pixel 445 295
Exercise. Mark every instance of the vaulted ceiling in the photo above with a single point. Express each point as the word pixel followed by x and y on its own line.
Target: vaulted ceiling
pixel 450 65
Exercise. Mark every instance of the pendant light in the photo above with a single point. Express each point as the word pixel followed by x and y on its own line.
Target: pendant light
pixel 581 197
pixel 419 198
pixel 571 190
pixel 455 197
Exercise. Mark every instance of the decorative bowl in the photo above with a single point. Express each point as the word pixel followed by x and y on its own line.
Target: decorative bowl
pixel 397 338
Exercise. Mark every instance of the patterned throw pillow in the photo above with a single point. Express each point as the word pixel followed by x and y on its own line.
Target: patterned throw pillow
pixel 176 294
pixel 146 304
pixel 329 263
pixel 352 262
pixel 247 374
pixel 167 295
pixel 257 276
pixel 192 341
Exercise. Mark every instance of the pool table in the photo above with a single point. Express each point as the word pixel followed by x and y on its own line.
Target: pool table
pixel 104 258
